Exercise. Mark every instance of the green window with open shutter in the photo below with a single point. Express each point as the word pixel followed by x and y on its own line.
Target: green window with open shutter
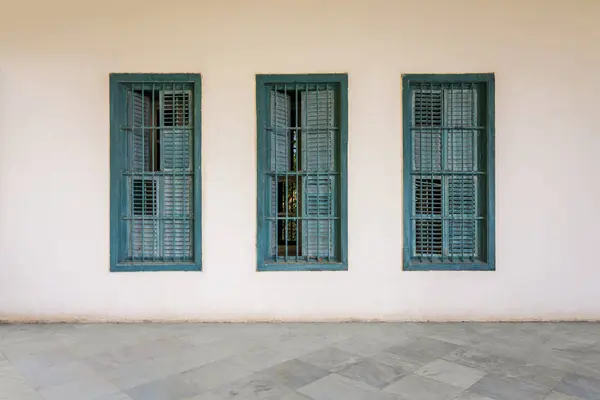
pixel 448 172
pixel 302 176
pixel 155 172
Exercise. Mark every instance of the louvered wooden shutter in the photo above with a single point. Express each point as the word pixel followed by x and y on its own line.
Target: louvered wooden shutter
pixel 176 163
pixel 143 194
pixel 318 156
pixel 427 161
pixel 460 117
pixel 280 109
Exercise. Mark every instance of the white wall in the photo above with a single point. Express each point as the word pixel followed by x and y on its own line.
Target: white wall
pixel 55 60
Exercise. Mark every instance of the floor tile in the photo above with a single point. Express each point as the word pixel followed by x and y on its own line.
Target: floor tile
pixel 501 388
pixel 253 387
pixel 422 351
pixel 115 396
pixel 560 361
pixel 362 345
pixel 471 396
pixel 259 358
pixel 58 374
pixel 173 387
pixel 422 388
pixel 580 386
pixel 217 373
pixel 293 374
pixel 374 373
pixel 336 387
pixel 451 373
pixel 86 389
pixel 560 396
pixel 331 359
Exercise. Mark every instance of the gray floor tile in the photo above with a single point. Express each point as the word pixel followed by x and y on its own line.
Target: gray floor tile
pixel 115 396
pixel 471 396
pixel 374 373
pixel 580 386
pixel 422 388
pixel 100 361
pixel 86 389
pixel 536 374
pixel 331 359
pixel 57 374
pixel 293 374
pixel 173 387
pixel 253 387
pixel 422 351
pixel 336 387
pixel 204 396
pixel 501 388
pixel 363 345
pixel 259 358
pixel 451 373
pixel 474 358
pixel 217 373
pixel 560 396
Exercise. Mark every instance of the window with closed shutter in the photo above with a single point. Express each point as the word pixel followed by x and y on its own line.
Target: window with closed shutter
pixel 448 171
pixel 302 136
pixel 155 172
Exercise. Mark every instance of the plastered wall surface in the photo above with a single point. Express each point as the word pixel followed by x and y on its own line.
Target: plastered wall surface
pixel 55 60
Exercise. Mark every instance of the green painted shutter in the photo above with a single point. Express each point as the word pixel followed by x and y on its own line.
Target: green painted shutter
pixel 143 243
pixel 460 116
pixel 280 110
pixel 176 164
pixel 318 160
pixel 427 162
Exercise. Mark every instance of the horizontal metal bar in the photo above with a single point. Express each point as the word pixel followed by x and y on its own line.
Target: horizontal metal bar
pixel 301 128
pixel 446 128
pixel 433 217
pixel 324 219
pixel 178 127
pixel 426 173
pixel 150 174
pixel 283 174
pixel 300 266
pixel 157 218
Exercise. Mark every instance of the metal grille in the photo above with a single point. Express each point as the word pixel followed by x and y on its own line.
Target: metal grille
pixel 447 133
pixel 303 173
pixel 158 216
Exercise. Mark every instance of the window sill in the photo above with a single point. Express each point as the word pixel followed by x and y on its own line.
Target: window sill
pixel 151 267
pixel 440 266
pixel 303 267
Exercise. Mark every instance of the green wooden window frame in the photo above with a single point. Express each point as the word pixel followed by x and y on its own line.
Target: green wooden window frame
pixel 306 94
pixel 156 183
pixel 448 154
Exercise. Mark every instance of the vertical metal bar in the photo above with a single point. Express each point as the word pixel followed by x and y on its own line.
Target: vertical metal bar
pixel 131 133
pixel 329 177
pixel 307 176
pixel 431 168
pixel 172 133
pixel 474 124
pixel 318 132
pixel 182 133
pixel 462 169
pixel 155 178
pixel 444 168
pixel 450 220
pixel 297 166
pixel 143 150
pixel 275 201
pixel 419 134
pixel 286 149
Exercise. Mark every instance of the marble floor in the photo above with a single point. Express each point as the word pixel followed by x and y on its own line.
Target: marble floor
pixel 367 361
